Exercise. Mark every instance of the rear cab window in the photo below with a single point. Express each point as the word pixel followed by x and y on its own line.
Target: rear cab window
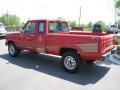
pixel 55 27
pixel 42 26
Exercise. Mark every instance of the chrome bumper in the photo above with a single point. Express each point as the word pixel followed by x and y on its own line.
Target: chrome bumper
pixel 108 54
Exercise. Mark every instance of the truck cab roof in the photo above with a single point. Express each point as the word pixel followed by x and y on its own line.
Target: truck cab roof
pixel 50 20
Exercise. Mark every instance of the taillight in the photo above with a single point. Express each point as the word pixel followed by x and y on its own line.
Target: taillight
pixel 100 45
pixel 115 40
pixel 107 44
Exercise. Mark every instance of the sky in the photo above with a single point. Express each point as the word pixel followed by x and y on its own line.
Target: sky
pixel 91 10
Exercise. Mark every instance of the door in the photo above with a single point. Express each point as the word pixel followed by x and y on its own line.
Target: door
pixel 28 36
pixel 40 37
pixel 34 36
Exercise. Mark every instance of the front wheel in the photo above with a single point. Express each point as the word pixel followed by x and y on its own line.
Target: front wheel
pixel 13 51
pixel 71 62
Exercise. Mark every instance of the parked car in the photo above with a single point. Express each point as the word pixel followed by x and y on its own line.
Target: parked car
pixel 97 28
pixel 2 31
pixel 53 37
pixel 113 29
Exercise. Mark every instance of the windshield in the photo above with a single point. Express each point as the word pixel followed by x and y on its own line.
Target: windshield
pixel 58 27
pixel 113 26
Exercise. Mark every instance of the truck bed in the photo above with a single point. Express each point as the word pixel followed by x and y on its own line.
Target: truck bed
pixel 105 42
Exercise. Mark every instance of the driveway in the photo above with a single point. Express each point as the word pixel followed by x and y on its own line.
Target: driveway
pixel 43 72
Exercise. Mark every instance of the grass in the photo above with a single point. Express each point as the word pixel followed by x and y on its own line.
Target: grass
pixel 118 46
pixel 118 49
pixel 118 40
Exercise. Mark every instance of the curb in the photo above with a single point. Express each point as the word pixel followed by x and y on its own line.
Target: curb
pixel 116 56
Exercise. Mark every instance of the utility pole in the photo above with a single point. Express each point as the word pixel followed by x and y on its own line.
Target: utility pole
pixel 115 15
pixel 7 18
pixel 80 16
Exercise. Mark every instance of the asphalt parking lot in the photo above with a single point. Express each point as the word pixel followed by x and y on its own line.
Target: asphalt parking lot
pixel 43 72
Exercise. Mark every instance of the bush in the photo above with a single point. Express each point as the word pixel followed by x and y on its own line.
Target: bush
pixel 118 40
pixel 118 49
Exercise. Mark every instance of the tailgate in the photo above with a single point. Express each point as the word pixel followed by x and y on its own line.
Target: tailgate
pixel 108 43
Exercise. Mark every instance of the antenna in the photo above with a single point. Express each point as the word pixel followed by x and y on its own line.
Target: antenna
pixel 115 15
pixel 80 16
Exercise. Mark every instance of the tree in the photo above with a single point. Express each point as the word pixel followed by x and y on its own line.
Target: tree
pixel 89 24
pixel 59 18
pixel 117 8
pixel 118 23
pixel 117 3
pixel 10 20
pixel 72 23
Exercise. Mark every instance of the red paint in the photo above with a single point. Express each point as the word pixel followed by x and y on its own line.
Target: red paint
pixel 52 43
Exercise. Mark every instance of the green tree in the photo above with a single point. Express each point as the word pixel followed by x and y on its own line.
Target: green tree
pixel 117 8
pixel 59 18
pixel 72 23
pixel 10 20
pixel 89 25
pixel 118 23
pixel 117 3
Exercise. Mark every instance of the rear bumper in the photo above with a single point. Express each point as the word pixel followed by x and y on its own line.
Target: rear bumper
pixel 108 54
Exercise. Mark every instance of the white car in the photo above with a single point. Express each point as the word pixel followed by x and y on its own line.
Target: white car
pixel 113 29
pixel 2 31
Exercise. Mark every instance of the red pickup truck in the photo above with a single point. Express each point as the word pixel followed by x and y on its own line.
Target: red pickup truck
pixel 53 37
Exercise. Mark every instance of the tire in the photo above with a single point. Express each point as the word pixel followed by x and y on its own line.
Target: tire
pixel 33 52
pixel 89 62
pixel 13 51
pixel 71 62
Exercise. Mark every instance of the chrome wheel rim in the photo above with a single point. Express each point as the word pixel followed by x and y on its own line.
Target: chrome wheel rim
pixel 12 49
pixel 70 62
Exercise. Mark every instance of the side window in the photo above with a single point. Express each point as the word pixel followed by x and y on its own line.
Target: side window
pixel 41 26
pixel 52 27
pixel 64 27
pixel 29 27
pixel 58 27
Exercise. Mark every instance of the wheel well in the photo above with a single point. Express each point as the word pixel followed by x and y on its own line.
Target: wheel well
pixel 9 42
pixel 64 50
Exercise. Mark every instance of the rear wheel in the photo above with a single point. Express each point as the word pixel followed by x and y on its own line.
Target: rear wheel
pixel 13 51
pixel 33 52
pixel 71 62
pixel 90 62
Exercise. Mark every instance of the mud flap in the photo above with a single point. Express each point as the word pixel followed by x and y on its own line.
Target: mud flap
pixel 108 54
